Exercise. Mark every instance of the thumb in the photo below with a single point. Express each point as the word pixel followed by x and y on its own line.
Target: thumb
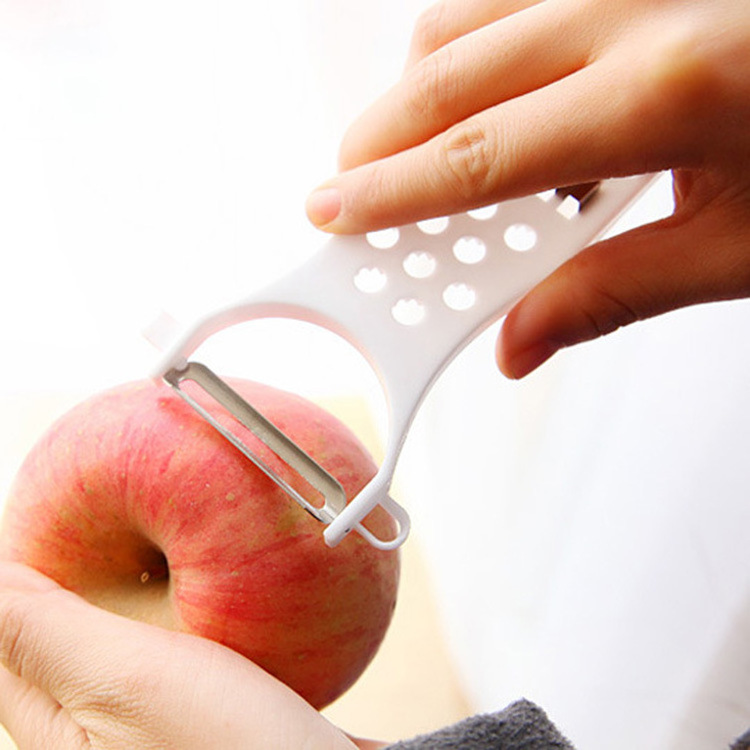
pixel 31 715
pixel 686 259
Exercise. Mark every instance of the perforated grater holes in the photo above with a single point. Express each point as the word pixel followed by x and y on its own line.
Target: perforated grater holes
pixel 459 296
pixel 409 312
pixel 370 280
pixel 383 239
pixel 420 264
pixel 483 214
pixel 520 237
pixel 434 226
pixel 423 281
pixel 469 250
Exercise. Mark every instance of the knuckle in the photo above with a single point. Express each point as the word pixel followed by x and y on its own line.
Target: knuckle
pixel 681 77
pixel 470 161
pixel 602 307
pixel 432 87
pixel 377 198
pixel 431 30
pixel 606 313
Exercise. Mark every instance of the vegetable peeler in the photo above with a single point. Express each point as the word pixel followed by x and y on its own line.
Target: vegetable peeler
pixel 409 298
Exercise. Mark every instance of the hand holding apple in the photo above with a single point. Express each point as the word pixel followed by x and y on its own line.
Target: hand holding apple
pixel 75 676
pixel 134 502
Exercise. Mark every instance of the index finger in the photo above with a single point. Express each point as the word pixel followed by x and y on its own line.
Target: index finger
pixel 494 64
pixel 577 129
pixel 43 628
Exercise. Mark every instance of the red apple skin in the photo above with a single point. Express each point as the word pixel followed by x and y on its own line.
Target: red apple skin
pixel 133 501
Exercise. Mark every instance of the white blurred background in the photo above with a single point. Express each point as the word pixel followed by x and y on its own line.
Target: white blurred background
pixel 157 157
pixel 585 530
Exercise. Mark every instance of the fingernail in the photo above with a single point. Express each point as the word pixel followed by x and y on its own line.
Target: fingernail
pixel 323 206
pixel 527 360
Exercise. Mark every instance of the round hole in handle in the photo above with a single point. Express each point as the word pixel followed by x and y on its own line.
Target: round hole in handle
pixel 383 239
pixel 408 312
pixel 459 296
pixel 434 226
pixel 469 250
pixel 370 280
pixel 420 264
pixel 520 237
pixel 483 213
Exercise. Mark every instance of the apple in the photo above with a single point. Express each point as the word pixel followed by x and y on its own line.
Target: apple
pixel 137 504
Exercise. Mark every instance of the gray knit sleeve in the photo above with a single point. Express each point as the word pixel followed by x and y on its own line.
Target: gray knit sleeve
pixel 520 726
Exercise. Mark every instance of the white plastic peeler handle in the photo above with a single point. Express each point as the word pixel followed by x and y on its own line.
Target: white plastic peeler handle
pixel 411 298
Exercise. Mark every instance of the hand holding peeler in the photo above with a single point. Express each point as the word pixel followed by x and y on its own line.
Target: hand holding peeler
pixel 409 298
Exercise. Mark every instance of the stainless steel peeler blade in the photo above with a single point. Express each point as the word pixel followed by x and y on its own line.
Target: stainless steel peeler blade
pixel 329 488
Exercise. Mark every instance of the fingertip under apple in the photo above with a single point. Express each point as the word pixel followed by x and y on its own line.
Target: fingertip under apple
pixel 15 576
